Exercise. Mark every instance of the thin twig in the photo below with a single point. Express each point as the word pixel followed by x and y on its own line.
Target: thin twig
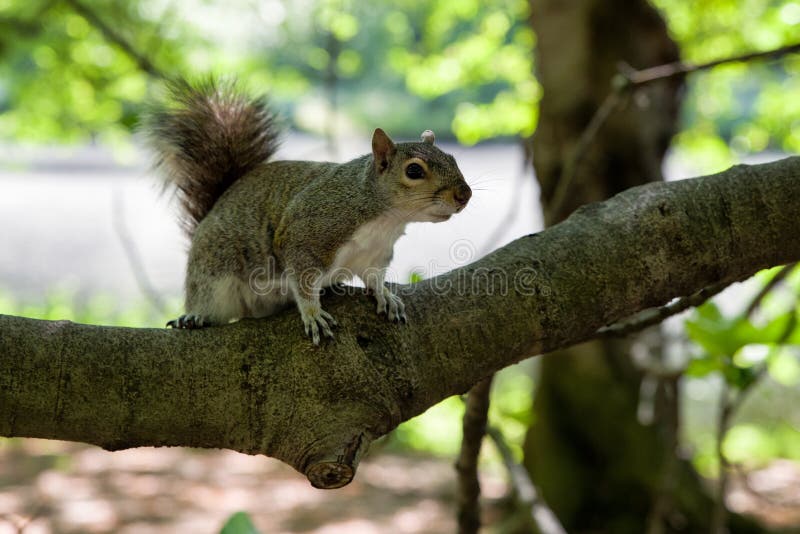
pixel 30 27
pixel 133 255
pixel 19 26
pixel 474 424
pixel 524 489
pixel 719 513
pixel 622 83
pixel 768 287
pixel 111 34
pixel 729 406
pixel 569 170
pixel 664 504
pixel 679 68
pixel 654 316
pixel 502 227
pixel 331 84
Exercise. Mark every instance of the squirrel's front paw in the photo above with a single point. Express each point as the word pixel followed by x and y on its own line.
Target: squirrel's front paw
pixel 314 319
pixel 391 305
pixel 189 321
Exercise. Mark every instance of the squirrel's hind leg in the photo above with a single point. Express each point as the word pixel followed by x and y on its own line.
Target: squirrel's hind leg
pixel 214 302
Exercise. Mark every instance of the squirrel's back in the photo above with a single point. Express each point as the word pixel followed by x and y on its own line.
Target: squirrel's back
pixel 207 137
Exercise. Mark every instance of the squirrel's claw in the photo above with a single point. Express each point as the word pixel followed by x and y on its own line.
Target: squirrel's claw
pixel 187 322
pixel 316 320
pixel 328 317
pixel 391 305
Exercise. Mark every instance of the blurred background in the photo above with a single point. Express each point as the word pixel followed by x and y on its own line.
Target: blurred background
pixel 87 235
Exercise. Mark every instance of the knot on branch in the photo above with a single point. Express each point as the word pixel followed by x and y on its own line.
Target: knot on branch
pixel 337 469
pixel 330 475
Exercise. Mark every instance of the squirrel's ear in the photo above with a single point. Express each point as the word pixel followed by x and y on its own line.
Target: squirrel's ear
pixel 382 150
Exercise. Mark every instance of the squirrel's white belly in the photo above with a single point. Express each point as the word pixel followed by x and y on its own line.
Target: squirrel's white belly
pixel 369 248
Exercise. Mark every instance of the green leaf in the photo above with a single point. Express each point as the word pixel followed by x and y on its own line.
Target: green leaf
pixel 784 366
pixel 700 367
pixel 752 354
pixel 775 330
pixel 720 336
pixel 749 443
pixel 239 523
pixel 709 311
pixel 711 331
pixel 737 377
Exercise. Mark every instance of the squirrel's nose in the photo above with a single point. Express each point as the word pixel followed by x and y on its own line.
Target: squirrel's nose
pixel 462 194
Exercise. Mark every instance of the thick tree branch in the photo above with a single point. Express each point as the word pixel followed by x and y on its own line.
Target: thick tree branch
pixel 258 386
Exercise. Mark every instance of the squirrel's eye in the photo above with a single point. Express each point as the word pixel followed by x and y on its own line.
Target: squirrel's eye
pixel 415 171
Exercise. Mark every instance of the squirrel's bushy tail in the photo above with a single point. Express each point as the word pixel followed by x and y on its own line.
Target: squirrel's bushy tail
pixel 208 136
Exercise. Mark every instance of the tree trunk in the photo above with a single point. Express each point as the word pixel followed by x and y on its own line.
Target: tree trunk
pixel 597 465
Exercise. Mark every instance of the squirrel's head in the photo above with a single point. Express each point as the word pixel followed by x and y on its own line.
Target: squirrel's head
pixel 425 183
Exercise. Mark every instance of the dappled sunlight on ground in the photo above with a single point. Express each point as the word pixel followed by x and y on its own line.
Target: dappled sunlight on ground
pixel 771 494
pixel 50 487
pixel 54 487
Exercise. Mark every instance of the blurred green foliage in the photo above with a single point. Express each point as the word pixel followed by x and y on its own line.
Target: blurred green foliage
pixel 64 303
pixel 738 346
pixel 438 430
pixel 81 69
pixel 62 80
pixel 460 67
pixel 739 109
pixel 743 351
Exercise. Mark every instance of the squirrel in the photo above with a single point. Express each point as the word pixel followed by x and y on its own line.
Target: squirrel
pixel 265 233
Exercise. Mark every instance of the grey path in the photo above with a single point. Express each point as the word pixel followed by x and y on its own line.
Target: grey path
pixel 57 210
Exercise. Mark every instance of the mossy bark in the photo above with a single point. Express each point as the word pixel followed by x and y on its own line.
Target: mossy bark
pixel 260 387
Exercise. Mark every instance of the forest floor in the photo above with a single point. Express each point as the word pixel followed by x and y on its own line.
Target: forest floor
pixel 51 487
pixel 56 487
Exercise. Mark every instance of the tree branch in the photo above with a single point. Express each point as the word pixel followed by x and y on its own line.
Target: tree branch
pixel 133 255
pixel 679 68
pixel 524 491
pixel 260 387
pixel 623 83
pixel 476 413
pixel 779 277
pixel 731 399
pixel 142 61
pixel 654 316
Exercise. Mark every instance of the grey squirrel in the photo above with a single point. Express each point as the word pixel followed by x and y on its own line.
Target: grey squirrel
pixel 265 233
